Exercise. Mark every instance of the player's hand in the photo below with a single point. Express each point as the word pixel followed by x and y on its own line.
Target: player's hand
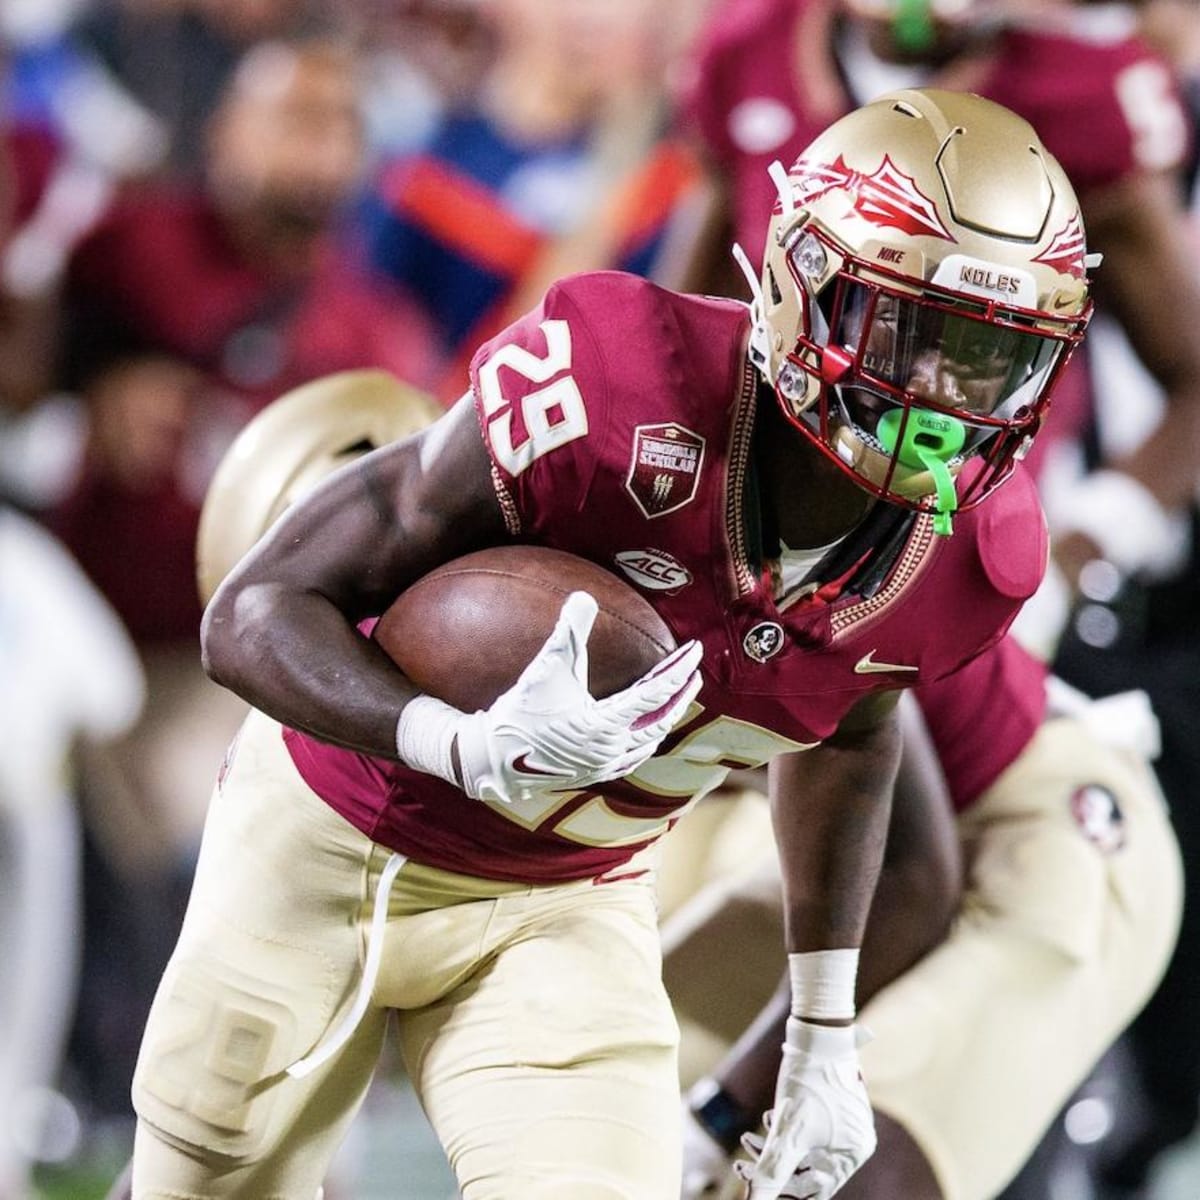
pixel 821 1129
pixel 548 733
pixel 706 1166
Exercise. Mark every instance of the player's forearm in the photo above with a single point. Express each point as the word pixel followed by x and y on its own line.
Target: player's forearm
pixel 295 657
pixel 920 886
pixel 830 810
pixel 922 867
pixel 281 629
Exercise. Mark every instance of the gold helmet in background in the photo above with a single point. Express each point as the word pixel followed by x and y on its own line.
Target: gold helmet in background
pixel 923 284
pixel 289 447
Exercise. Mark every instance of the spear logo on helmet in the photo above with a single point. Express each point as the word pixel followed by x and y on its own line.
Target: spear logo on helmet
pixel 887 197
pixel 1066 250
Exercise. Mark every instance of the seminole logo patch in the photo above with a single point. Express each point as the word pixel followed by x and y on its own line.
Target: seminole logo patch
pixel 665 471
pixel 763 641
pixel 1099 816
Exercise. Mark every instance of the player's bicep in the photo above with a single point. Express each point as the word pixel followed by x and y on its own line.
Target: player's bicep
pixel 871 711
pixel 376 524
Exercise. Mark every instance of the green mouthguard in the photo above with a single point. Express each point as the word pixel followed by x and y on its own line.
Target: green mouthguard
pixel 912 26
pixel 930 440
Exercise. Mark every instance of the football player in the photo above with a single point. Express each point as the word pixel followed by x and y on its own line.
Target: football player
pixel 770 74
pixel 815 478
pixel 1069 913
pixel 72 678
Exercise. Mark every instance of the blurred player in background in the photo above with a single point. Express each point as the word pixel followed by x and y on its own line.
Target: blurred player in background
pixel 70 676
pixel 560 161
pixel 1055 825
pixel 803 517
pixel 769 73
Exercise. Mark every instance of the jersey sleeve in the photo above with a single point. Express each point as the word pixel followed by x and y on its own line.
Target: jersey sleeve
pixel 541 396
pixel 976 742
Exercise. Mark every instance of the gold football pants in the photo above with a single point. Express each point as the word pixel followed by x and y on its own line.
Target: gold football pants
pixel 532 1019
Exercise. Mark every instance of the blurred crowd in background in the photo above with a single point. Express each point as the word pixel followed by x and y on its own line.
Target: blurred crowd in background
pixel 204 203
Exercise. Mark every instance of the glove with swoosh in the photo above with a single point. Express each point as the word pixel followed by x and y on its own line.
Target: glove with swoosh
pixel 547 732
pixel 821 1129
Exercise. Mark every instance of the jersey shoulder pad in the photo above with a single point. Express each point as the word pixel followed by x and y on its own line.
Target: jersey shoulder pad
pixel 560 388
pixel 1011 538
pixel 575 340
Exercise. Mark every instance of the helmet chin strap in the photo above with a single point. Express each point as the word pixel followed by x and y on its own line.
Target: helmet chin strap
pixel 760 332
pixel 930 441
pixel 947 497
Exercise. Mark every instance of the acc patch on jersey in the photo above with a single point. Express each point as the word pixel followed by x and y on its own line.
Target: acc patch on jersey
pixel 665 469
pixel 653 569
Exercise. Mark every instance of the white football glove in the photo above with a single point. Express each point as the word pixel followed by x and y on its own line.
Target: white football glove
pixel 547 732
pixel 706 1166
pixel 821 1129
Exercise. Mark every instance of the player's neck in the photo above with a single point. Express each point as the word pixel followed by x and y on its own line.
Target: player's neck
pixel 811 501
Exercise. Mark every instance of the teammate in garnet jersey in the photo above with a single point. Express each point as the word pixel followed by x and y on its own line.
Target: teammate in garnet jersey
pixel 1053 862
pixel 820 478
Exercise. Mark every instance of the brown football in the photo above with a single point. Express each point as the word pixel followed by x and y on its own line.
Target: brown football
pixel 465 631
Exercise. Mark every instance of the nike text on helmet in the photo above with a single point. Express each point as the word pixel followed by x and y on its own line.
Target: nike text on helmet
pixel 923 284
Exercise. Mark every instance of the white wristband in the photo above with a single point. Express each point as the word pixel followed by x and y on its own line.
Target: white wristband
pixel 823 984
pixel 425 737
pixel 1132 530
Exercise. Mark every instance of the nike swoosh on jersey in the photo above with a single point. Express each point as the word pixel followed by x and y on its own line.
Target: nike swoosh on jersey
pixel 868 666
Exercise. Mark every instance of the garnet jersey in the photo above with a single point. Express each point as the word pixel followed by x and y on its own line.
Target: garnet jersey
pixel 619 416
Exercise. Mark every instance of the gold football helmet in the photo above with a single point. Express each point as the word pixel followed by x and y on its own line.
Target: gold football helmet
pixel 289 447
pixel 923 284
